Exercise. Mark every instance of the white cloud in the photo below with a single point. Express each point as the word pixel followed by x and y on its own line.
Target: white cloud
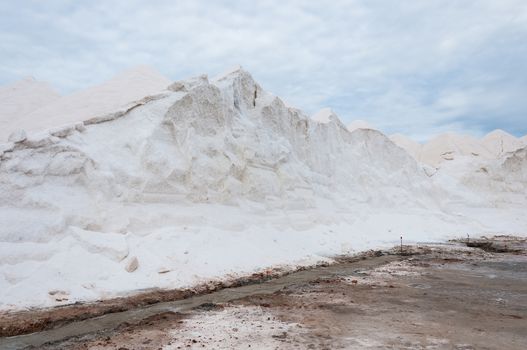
pixel 412 67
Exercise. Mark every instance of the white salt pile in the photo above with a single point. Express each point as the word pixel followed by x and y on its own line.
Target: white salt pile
pixel 499 142
pixel 450 146
pixel 37 107
pixel 406 143
pixel 359 124
pixel 22 98
pixel 210 179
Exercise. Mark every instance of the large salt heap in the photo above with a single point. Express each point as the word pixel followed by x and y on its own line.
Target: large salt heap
pixel 201 180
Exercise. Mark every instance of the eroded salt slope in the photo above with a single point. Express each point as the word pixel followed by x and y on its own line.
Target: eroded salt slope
pixel 207 180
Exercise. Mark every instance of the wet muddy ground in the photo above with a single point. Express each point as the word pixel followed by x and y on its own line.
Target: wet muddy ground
pixel 430 297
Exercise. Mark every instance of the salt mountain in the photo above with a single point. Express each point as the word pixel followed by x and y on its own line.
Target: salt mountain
pixel 211 178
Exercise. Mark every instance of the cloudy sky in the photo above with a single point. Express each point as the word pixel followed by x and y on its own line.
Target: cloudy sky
pixel 415 67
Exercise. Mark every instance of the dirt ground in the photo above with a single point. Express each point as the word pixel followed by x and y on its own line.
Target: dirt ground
pixel 431 297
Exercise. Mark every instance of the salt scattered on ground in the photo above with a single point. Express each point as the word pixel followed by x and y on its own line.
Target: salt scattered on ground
pixel 232 328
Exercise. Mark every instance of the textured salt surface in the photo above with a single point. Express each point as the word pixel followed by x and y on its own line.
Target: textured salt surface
pixel 214 178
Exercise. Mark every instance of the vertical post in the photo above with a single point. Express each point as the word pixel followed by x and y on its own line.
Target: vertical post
pixel 401 245
pixel 468 238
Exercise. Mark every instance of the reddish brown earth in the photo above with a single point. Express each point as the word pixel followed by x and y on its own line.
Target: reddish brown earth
pixel 30 321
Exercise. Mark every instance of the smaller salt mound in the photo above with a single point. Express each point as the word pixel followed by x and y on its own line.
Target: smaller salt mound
pixel 514 166
pixel 324 116
pixel 108 97
pixel 21 98
pixel 413 148
pixel 449 146
pixel 499 142
pixel 494 182
pixel 359 124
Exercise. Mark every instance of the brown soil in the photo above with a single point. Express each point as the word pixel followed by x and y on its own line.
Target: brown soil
pixel 37 320
pixel 440 298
